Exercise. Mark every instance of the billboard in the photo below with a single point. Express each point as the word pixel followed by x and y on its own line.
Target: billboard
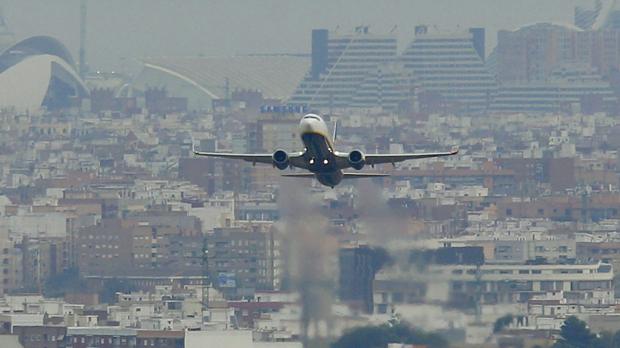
pixel 226 280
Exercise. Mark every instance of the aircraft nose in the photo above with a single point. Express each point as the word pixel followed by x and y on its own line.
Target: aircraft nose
pixel 306 125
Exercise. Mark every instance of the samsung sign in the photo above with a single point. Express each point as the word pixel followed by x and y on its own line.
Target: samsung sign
pixel 284 109
pixel 226 280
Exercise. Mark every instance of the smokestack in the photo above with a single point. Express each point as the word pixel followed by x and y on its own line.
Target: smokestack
pixel 83 12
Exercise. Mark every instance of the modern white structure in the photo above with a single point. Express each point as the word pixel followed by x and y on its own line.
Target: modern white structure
pixel 590 284
pixel 340 64
pixel 567 89
pixel 387 87
pixel 204 79
pixel 37 73
pixel 452 65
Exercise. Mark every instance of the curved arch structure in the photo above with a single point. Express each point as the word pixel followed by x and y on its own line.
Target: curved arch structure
pixel 182 77
pixel 37 73
pixel 204 79
pixel 559 25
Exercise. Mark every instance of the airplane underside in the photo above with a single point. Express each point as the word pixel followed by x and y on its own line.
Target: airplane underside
pixel 322 163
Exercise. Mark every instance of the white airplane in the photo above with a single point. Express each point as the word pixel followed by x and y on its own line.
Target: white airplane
pixel 320 158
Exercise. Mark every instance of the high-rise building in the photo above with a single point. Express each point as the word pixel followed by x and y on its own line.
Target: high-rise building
pixel 532 53
pixel 340 62
pixel 11 265
pixel 155 245
pixel 43 258
pixel 356 276
pixel 241 261
pixel 452 65
pixel 569 89
pixel 388 87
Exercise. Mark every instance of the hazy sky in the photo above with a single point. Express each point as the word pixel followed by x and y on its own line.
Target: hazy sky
pixel 131 29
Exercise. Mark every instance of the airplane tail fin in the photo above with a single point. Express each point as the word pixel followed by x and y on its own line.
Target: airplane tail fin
pixel 335 135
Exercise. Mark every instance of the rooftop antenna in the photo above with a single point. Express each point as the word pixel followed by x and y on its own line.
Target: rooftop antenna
pixel 83 13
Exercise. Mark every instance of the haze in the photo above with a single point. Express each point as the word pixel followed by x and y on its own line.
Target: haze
pixel 120 30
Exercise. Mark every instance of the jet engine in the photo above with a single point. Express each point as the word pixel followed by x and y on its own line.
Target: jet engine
pixel 357 159
pixel 280 159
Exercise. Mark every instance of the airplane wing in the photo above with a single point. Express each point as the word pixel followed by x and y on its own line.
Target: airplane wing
pixel 295 159
pixel 372 159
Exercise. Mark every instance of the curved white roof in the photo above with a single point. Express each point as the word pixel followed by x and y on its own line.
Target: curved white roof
pixel 566 26
pixel 26 71
pixel 25 85
pixel 275 76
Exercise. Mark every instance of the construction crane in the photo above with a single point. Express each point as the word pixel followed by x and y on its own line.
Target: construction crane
pixel 83 14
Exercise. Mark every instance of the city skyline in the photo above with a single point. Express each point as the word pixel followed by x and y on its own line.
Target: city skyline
pixel 124 223
pixel 196 27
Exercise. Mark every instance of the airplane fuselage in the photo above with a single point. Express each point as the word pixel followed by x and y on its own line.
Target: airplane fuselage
pixel 319 150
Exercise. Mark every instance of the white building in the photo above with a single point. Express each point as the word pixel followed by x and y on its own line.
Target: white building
pixel 452 65
pixel 563 91
pixel 349 59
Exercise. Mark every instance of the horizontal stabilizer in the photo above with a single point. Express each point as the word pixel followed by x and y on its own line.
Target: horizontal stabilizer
pixel 364 175
pixel 346 175
pixel 299 175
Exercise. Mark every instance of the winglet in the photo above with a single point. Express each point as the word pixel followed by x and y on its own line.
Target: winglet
pixel 193 146
pixel 455 150
pixel 194 151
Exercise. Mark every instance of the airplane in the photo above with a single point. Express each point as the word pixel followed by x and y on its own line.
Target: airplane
pixel 320 157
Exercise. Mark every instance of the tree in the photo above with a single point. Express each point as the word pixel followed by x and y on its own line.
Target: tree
pixel 112 286
pixel 65 282
pixel 380 336
pixel 608 339
pixel 502 322
pixel 575 334
pixel 616 340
